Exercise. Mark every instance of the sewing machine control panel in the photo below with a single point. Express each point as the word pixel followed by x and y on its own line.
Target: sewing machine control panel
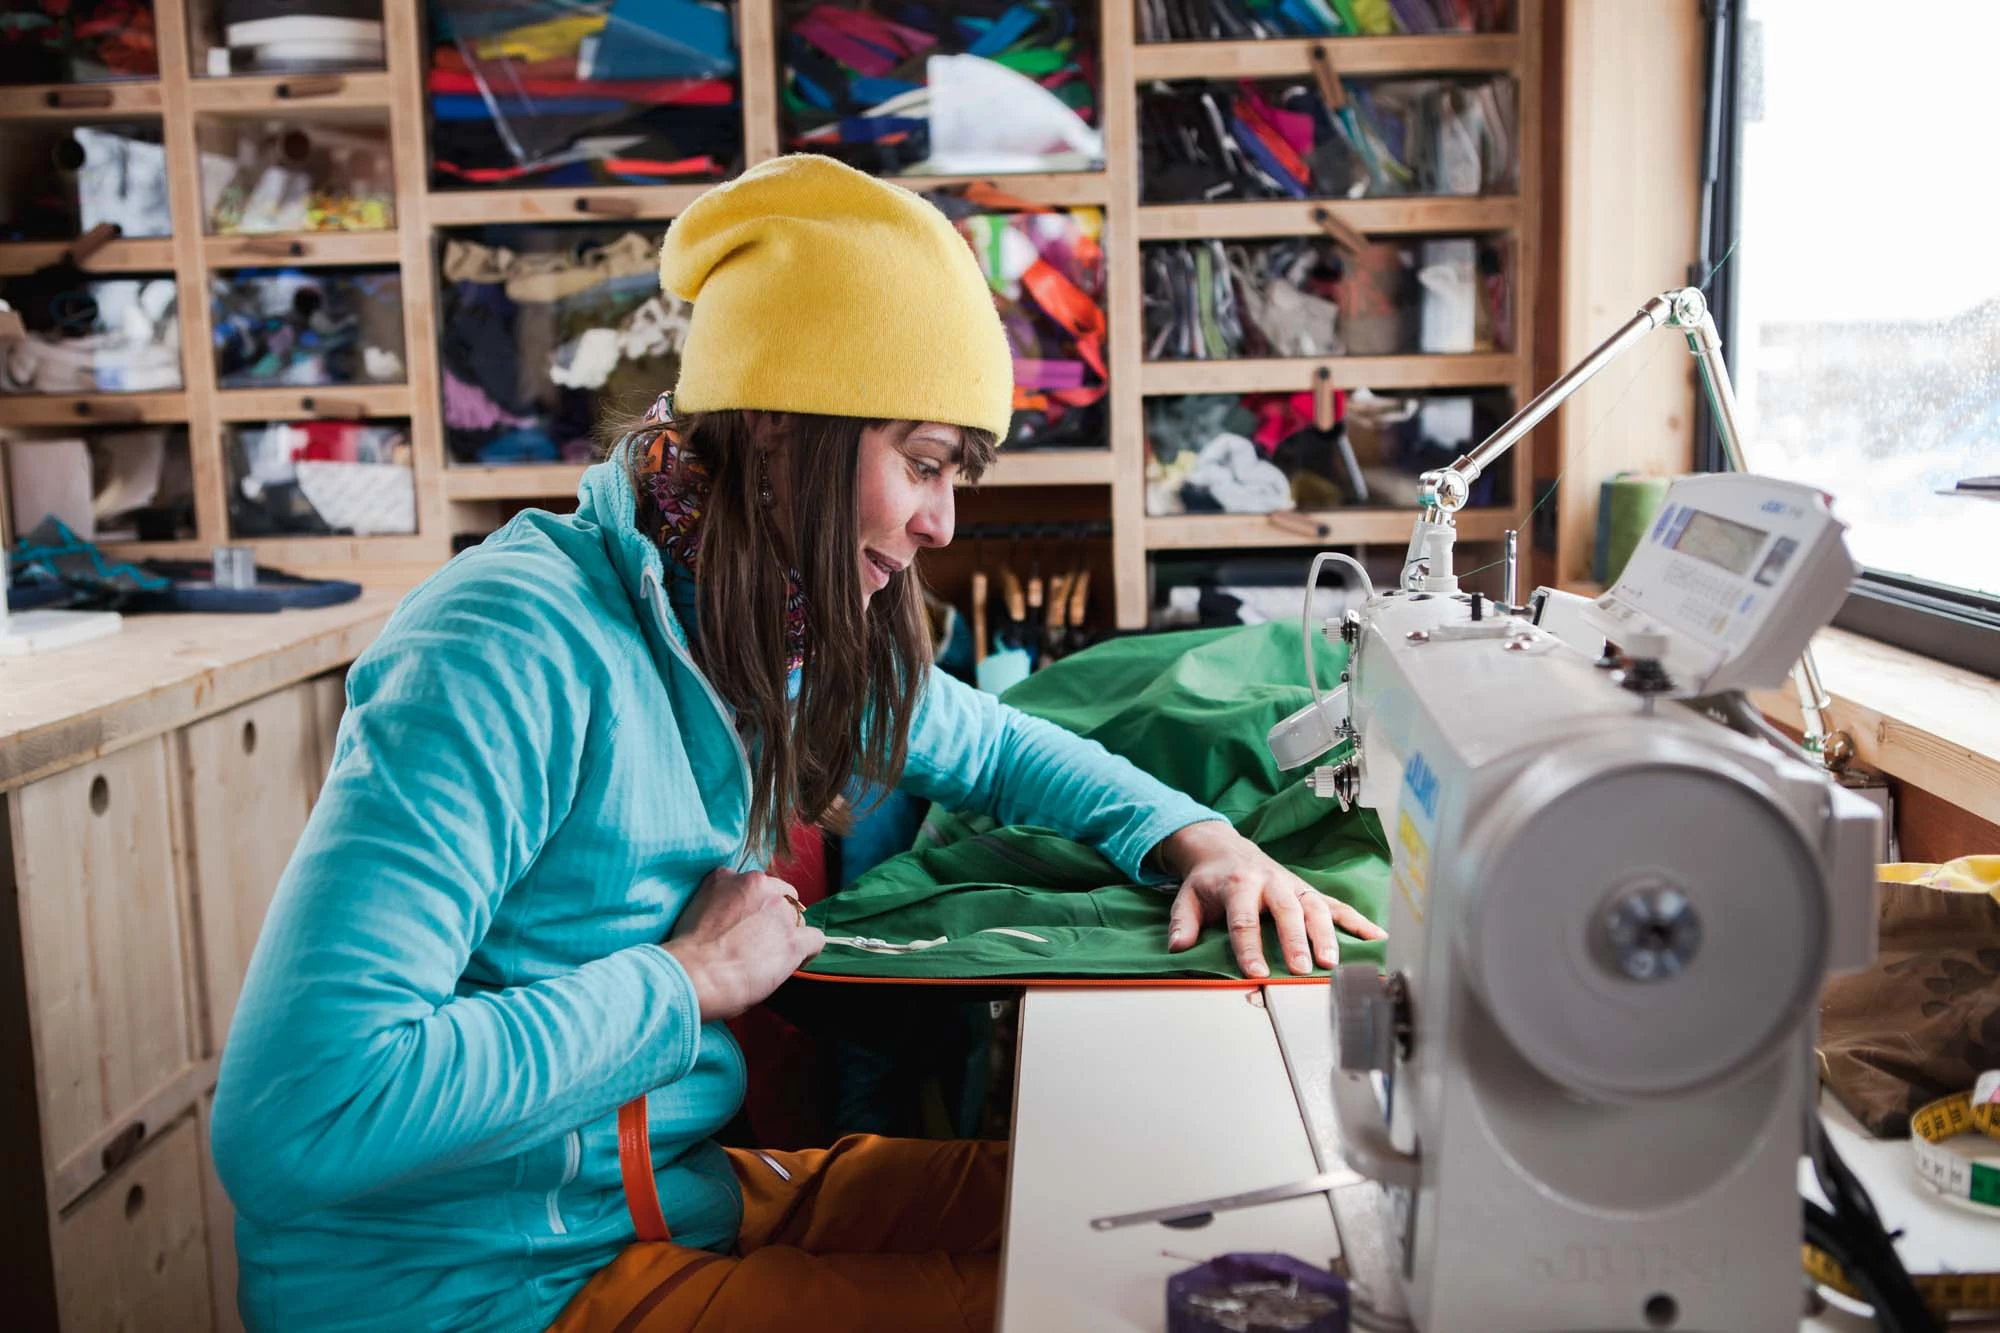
pixel 1739 571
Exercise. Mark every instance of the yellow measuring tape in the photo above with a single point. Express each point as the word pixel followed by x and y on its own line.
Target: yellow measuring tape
pixel 1945 1293
pixel 1977 1183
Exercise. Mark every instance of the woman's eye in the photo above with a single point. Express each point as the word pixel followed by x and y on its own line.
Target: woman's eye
pixel 928 471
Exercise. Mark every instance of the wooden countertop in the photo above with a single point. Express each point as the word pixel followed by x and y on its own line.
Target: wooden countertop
pixel 160 672
pixel 1932 725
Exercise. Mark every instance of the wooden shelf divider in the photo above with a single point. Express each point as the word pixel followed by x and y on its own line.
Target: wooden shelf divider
pixel 450 494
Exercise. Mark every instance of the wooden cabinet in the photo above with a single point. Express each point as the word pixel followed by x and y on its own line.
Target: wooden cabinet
pixel 96 877
pixel 132 888
pixel 251 776
pixel 132 1255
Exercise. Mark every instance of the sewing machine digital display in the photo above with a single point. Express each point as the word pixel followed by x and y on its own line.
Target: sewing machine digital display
pixel 1731 546
pixel 1737 571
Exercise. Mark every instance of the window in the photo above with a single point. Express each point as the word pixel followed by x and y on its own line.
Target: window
pixel 1860 293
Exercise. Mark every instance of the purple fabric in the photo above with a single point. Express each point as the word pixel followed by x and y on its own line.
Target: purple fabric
pixel 466 407
pixel 1185 1316
pixel 1030 373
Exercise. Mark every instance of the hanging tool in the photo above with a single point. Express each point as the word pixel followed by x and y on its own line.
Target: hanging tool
pixel 978 616
pixel 55 298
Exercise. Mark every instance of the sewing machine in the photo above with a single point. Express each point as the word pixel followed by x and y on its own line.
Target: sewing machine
pixel 1586 1075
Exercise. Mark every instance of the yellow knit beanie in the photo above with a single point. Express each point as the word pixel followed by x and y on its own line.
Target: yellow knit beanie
pixel 818 288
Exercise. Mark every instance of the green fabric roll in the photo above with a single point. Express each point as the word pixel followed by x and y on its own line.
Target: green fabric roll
pixel 1192 709
pixel 1633 502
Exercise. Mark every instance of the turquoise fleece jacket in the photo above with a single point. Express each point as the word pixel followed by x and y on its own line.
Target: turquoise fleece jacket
pixel 460 977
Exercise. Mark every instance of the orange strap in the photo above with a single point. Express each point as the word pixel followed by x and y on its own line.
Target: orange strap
pixel 635 1165
pixel 988 195
pixel 1062 301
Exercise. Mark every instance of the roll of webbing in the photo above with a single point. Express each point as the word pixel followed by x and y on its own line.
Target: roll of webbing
pixel 1974 1184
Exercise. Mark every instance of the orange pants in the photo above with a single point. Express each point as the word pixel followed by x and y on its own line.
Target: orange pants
pixel 869 1234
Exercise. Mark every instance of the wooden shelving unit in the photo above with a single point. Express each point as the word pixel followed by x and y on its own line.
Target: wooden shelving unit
pixel 1375 217
pixel 1047 467
pixel 450 497
pixel 65 101
pixel 319 249
pixel 148 255
pixel 1133 380
pixel 344 402
pixel 183 103
pixel 1298 374
pixel 1456 54
pixel 1332 527
pixel 95 409
pixel 289 94
pixel 471 208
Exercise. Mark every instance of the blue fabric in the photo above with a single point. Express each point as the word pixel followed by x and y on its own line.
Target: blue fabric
pixel 471 106
pixel 880 832
pixel 811 91
pixel 1011 27
pixel 665 39
pixel 874 92
pixel 871 129
pixel 1258 152
pixel 460 979
pixel 523 444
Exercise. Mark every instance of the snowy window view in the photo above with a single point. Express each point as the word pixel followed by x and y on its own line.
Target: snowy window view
pixel 1867 349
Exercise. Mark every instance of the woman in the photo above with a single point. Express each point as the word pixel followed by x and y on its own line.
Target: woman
pixel 530 893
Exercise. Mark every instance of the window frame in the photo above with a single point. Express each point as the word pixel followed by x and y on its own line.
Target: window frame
pixel 1956 625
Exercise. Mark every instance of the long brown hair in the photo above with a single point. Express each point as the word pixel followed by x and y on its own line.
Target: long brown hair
pixel 864 670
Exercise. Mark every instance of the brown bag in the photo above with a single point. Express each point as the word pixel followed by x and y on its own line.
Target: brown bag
pixel 1923 1021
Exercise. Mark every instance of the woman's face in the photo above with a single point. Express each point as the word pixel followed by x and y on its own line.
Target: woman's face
pixel 907 473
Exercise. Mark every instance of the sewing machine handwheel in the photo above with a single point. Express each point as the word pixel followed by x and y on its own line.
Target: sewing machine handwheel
pixel 1364 1020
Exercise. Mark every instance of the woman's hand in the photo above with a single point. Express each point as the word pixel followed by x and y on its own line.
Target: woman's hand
pixel 1225 875
pixel 739 938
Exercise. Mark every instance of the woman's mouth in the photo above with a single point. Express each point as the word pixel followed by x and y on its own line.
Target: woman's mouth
pixel 881 567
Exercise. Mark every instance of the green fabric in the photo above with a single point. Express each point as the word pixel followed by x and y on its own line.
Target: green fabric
pixel 1192 709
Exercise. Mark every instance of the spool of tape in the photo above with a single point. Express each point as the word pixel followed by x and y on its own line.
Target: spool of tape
pixel 1630 502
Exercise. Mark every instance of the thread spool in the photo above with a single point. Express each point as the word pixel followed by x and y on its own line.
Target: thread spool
pixel 1626 506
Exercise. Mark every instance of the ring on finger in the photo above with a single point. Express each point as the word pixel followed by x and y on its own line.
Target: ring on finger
pixel 797 906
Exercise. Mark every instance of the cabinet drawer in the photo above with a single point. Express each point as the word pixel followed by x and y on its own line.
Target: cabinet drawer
pixel 252 774
pixel 132 1256
pixel 96 876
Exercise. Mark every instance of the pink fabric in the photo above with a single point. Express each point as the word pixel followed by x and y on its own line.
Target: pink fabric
pixel 1294 127
pixel 857 55
pixel 1279 416
pixel 874 30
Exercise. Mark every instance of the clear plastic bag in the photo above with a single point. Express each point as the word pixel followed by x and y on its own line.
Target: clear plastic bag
pixel 975 88
pixel 319 478
pixel 1277 139
pixel 260 177
pixel 117 336
pixel 583 91
pixel 300 328
pixel 57 181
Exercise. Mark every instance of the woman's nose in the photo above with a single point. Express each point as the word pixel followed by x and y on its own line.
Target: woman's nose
pixel 934 521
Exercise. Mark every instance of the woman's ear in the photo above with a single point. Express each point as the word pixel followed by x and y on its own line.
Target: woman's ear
pixel 768 429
